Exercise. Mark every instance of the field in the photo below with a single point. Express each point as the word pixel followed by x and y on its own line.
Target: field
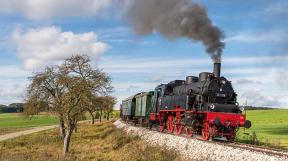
pixel 101 141
pixel 269 127
pixel 16 122
pixel 12 122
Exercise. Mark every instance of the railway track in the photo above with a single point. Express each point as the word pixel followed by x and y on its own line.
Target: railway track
pixel 261 149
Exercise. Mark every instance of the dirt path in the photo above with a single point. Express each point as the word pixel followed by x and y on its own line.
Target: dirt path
pixel 26 132
pixel 30 131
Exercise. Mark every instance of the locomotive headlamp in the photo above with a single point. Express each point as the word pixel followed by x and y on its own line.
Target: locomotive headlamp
pixel 247 124
pixel 212 106
pixel 223 82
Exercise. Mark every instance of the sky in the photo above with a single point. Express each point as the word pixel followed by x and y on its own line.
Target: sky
pixel 37 33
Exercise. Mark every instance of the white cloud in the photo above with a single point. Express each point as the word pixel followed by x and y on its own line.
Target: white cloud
pixel 244 81
pixel 161 65
pixel 42 46
pixel 254 37
pixel 129 88
pixel 156 78
pixel 138 86
pixel 12 90
pixel 47 9
pixel 12 72
pixel 133 75
pixel 13 82
pixel 259 98
pixel 246 73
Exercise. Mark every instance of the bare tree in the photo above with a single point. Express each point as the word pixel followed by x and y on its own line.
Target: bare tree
pixel 75 99
pixel 81 82
pixel 101 105
pixel 95 107
pixel 68 89
pixel 45 88
pixel 109 103
pixel 92 109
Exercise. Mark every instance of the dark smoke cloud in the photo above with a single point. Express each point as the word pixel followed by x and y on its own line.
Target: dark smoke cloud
pixel 175 19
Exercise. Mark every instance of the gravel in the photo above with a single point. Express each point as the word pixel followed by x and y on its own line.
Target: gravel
pixel 193 149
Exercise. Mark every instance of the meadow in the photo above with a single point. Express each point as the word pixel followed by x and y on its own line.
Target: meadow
pixel 101 141
pixel 269 127
pixel 11 122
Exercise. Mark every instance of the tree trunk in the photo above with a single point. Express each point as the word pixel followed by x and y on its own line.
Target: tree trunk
pixel 62 126
pixel 75 129
pixel 108 115
pixel 92 119
pixel 67 138
pixel 100 115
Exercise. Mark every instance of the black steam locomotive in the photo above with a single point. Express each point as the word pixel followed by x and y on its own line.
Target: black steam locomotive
pixel 205 105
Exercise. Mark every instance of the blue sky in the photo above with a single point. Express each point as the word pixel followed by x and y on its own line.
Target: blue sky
pixel 38 33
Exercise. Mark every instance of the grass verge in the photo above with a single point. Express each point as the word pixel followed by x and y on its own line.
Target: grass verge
pixel 269 128
pixel 102 142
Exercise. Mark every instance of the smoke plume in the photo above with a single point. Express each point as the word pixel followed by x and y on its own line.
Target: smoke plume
pixel 175 19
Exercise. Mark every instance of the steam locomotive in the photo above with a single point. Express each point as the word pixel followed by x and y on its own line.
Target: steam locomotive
pixel 205 105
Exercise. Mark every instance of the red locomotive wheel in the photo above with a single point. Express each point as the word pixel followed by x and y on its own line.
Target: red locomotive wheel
pixel 161 126
pixel 205 131
pixel 189 132
pixel 169 124
pixel 213 131
pixel 178 129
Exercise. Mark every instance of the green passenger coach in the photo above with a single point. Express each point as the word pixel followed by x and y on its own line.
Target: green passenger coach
pixel 137 106
pixel 128 107
pixel 143 104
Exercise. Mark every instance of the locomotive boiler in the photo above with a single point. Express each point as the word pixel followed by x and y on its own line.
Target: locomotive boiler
pixel 205 105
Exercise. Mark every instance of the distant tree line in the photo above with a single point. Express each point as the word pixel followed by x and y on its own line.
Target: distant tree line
pixel 101 106
pixel 258 108
pixel 12 108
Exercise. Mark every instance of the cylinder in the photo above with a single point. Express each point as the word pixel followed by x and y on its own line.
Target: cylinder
pixel 203 76
pixel 191 79
pixel 217 70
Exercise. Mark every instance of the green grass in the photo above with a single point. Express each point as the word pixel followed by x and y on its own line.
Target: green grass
pixel 12 122
pixel 269 126
pixel 15 122
pixel 115 113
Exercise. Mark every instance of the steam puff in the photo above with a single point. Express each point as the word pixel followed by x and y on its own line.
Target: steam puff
pixel 174 19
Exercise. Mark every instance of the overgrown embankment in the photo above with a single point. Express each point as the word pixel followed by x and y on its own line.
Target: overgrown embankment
pixel 91 142
pixel 194 149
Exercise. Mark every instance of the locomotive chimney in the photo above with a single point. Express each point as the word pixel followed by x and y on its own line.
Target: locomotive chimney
pixel 217 69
